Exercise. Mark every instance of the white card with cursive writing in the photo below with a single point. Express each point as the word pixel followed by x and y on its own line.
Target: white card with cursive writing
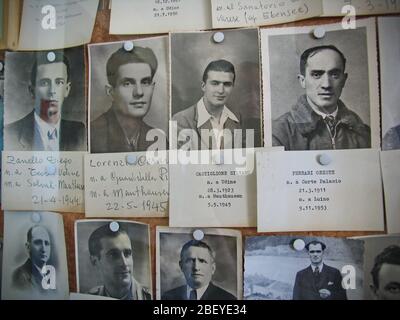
pixel 336 190
pixel 126 185
pixel 244 13
pixel 391 185
pixel 42 181
pixel 159 16
pixel 209 194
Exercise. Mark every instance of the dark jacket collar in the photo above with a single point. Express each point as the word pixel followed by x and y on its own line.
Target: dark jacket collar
pixel 307 120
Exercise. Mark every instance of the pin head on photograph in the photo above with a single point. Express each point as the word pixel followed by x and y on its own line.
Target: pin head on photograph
pixel 51 56
pixel 128 45
pixel 319 32
pixel 299 244
pixel 114 226
pixel 131 159
pixel 218 37
pixel 35 217
pixel 324 159
pixel 198 235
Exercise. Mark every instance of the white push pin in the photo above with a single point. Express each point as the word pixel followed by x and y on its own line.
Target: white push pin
pixel 131 159
pixel 1 66
pixel 128 45
pixel 51 56
pixel 324 159
pixel 36 217
pixel 51 169
pixel 114 226
pixel 319 32
pixel 218 37
pixel 198 235
pixel 299 244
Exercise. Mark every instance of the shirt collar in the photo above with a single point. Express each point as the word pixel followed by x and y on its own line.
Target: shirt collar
pixel 199 291
pixel 320 266
pixel 45 127
pixel 204 116
pixel 323 115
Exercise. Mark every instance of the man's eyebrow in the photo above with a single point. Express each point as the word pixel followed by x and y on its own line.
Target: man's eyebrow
pixel 391 283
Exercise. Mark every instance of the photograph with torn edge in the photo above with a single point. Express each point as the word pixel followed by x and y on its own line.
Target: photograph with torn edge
pixel 321 87
pixel 215 91
pixel 36 264
pixel 303 268
pixel 45 106
pixel 128 95
pixel 389 48
pixel 381 267
pixel 113 259
pixel 198 264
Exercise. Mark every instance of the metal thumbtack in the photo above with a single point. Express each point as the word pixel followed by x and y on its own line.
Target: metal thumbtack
pixel 324 159
pixel 128 45
pixel 198 235
pixel 299 244
pixel 36 217
pixel 218 37
pixel 51 169
pixel 131 159
pixel 114 226
pixel 51 56
pixel 319 32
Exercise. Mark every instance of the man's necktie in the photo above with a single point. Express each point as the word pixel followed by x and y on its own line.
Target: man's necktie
pixel 331 122
pixel 193 295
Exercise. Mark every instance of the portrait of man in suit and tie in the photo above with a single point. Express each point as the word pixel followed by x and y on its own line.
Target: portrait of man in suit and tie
pixel 130 85
pixel 30 275
pixel 44 128
pixel 318 281
pixel 197 263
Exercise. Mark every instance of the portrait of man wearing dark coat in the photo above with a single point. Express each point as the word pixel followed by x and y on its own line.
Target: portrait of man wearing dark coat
pixel 197 262
pixel 318 281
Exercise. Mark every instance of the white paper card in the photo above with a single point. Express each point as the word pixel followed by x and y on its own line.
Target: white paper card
pixel 232 14
pixel 297 193
pixel 220 195
pixel 362 7
pixel 54 24
pixel 159 16
pixel 126 185
pixel 391 185
pixel 43 181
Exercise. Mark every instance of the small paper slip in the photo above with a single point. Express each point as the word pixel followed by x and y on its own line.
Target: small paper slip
pixel 361 7
pixel 42 181
pixel 337 190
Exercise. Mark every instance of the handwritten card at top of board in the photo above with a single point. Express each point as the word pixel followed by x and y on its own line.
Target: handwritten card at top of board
pixel 361 7
pixel 231 14
pixel 159 16
pixel 325 190
pixel 54 24
pixel 50 181
pixel 126 185
pixel 391 185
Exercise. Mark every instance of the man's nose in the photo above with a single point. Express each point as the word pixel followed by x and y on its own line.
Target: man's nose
pixel 325 81
pixel 138 91
pixel 51 91
pixel 195 265
pixel 221 88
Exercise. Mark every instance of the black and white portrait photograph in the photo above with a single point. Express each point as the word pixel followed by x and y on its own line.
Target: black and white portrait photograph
pixel 381 267
pixel 321 87
pixel 198 264
pixel 303 268
pixel 45 106
pixel 389 59
pixel 36 264
pixel 113 259
pixel 128 95
pixel 215 91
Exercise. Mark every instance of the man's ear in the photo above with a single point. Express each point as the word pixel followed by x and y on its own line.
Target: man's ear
pixel 67 89
pixel 374 291
pixel 180 264
pixel 31 90
pixel 28 248
pixel 213 267
pixel 109 90
pixel 203 85
pixel 302 81
pixel 94 260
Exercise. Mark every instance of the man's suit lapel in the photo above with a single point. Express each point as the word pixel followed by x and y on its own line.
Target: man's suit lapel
pixel 29 132
pixel 116 136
